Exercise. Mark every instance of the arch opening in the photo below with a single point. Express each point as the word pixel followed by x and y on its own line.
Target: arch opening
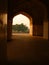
pixel 22 24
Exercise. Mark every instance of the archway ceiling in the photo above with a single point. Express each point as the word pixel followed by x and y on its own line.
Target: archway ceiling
pixel 25 5
pixel 35 9
pixel 7 5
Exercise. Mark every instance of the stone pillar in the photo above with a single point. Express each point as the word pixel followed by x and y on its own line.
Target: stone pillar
pixel 9 30
pixel 45 29
pixel 31 27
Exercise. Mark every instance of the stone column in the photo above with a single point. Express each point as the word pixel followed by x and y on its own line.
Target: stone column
pixel 9 30
pixel 45 29
pixel 31 26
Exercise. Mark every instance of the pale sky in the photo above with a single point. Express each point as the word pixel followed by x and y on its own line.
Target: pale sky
pixel 18 19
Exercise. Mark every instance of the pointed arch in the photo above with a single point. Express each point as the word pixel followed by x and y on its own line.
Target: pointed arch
pixel 30 18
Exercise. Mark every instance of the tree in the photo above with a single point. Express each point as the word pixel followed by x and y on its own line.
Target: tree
pixel 20 28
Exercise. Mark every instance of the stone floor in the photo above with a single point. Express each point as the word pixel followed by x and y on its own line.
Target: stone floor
pixel 28 50
pixel 24 50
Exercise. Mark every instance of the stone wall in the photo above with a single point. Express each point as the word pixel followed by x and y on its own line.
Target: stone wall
pixel 37 30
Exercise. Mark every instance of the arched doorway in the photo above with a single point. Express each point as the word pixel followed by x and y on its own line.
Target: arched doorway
pixel 20 20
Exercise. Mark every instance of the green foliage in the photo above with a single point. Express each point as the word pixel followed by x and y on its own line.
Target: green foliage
pixel 20 28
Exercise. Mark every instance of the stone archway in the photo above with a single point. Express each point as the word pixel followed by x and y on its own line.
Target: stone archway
pixel 36 10
pixel 30 21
